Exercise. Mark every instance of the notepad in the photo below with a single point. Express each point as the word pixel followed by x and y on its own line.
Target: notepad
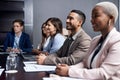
pixel 29 57
pixel 32 66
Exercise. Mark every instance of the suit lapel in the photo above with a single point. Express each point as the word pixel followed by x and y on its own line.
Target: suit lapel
pixel 12 39
pixel 100 59
pixel 75 43
pixel 21 40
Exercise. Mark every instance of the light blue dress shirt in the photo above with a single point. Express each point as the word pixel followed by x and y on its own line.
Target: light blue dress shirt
pixel 55 43
pixel 16 41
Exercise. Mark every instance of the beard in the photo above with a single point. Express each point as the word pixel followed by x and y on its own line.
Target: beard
pixel 69 27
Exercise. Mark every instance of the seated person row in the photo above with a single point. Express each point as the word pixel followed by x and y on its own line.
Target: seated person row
pixel 80 42
pixel 102 61
pixel 52 37
pixel 17 40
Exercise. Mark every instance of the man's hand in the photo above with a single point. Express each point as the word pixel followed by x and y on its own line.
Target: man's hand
pixel 41 58
pixel 62 69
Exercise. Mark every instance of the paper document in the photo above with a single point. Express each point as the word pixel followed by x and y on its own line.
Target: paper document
pixel 34 67
pixel 57 77
pixel 61 78
pixel 1 70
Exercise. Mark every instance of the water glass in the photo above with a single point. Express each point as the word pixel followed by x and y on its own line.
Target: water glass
pixel 11 63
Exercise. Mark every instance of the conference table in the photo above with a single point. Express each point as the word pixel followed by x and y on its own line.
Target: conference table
pixel 21 74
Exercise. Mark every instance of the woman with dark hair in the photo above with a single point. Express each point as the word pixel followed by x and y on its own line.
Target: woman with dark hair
pixel 16 40
pixel 45 37
pixel 52 37
pixel 54 26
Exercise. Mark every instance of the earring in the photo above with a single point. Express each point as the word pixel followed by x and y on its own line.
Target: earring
pixel 109 22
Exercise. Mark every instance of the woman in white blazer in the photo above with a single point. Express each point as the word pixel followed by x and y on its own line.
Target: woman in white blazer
pixel 103 59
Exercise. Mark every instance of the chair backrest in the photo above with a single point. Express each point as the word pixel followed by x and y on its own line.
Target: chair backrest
pixel 65 32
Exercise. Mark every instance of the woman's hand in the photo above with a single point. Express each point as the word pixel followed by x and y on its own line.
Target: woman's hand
pixel 62 69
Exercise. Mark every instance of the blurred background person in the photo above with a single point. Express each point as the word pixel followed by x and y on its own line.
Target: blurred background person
pixel 17 41
pixel 45 37
pixel 66 32
pixel 56 38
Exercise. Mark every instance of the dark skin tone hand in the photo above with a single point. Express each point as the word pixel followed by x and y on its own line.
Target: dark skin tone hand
pixel 62 69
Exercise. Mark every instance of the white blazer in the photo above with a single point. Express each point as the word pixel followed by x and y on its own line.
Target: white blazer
pixel 107 63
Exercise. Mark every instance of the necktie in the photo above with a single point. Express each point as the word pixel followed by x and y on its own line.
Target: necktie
pixel 96 51
pixel 67 46
pixel 16 45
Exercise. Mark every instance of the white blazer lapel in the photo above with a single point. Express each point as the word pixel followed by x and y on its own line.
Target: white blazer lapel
pixel 104 44
pixel 107 39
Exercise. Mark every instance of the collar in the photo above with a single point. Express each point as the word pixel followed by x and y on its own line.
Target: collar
pixel 76 34
pixel 19 35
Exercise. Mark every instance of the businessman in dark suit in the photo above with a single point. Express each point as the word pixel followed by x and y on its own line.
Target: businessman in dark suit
pixel 75 46
pixel 16 40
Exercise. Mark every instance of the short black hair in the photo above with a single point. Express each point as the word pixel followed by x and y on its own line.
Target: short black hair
pixel 81 14
pixel 20 21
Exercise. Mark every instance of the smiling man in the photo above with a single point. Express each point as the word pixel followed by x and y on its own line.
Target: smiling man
pixel 76 45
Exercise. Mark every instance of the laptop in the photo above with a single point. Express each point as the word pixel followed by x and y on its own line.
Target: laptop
pixel 30 57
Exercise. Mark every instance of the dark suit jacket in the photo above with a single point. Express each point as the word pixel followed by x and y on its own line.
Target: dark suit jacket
pixel 24 43
pixel 75 54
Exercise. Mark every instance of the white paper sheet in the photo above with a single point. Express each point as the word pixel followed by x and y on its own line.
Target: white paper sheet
pixel 30 62
pixel 1 70
pixel 61 78
pixel 57 77
pixel 34 67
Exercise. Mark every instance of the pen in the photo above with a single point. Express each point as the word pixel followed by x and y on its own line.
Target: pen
pixel 57 64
